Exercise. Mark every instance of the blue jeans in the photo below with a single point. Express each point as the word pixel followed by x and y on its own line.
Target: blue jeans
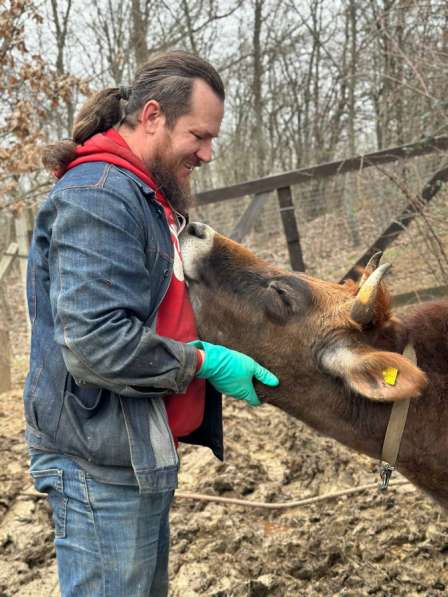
pixel 110 540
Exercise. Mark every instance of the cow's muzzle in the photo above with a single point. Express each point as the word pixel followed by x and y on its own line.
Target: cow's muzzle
pixel 196 242
pixel 197 229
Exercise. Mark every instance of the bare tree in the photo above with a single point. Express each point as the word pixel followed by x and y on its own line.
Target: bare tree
pixel 61 16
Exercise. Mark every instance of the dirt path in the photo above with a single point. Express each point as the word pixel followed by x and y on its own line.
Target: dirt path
pixel 365 545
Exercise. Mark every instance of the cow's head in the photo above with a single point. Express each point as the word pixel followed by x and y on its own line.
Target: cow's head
pixel 311 333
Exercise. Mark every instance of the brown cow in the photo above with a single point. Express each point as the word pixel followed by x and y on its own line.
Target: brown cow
pixel 329 344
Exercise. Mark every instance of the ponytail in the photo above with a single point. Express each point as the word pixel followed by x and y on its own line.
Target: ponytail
pixel 99 113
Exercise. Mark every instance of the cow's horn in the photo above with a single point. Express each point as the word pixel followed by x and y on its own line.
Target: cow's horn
pixel 362 310
pixel 371 266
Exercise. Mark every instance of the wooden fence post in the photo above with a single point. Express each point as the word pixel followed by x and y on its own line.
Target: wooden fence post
pixel 5 362
pixel 290 228
pixel 8 259
pixel 5 265
pixel 402 221
pixel 9 229
pixel 21 224
pixel 247 220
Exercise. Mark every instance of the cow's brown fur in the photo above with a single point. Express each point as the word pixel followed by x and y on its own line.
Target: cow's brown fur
pixel 285 321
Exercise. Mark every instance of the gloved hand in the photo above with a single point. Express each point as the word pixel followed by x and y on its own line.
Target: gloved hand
pixel 231 372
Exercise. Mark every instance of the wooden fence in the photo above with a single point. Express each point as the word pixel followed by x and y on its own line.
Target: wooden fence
pixel 261 188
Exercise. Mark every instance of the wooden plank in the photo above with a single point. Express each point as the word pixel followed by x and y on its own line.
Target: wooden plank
pixel 290 228
pixel 248 219
pixel 286 179
pixel 394 229
pixel 9 232
pixel 4 306
pixel 420 296
pixel 8 259
pixel 5 362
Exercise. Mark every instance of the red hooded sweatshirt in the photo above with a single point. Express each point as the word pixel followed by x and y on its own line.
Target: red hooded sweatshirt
pixel 175 318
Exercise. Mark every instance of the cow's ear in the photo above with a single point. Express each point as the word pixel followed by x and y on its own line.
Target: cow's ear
pixel 376 375
pixel 279 302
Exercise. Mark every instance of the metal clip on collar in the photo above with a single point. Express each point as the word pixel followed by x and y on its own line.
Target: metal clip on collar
pixel 385 474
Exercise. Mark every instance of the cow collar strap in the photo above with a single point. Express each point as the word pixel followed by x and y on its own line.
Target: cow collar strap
pixel 394 431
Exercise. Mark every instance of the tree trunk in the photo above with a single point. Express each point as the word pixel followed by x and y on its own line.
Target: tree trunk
pixel 257 88
pixel 139 28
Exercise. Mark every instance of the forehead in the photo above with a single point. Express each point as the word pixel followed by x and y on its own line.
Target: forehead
pixel 207 110
pixel 330 295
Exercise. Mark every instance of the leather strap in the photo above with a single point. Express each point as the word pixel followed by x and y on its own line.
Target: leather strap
pixel 396 425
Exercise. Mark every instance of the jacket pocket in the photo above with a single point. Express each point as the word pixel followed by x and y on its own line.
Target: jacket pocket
pixel 92 426
pixel 86 406
pixel 44 388
pixel 85 400
pixel 51 482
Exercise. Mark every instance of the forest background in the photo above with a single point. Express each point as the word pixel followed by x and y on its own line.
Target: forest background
pixel 307 82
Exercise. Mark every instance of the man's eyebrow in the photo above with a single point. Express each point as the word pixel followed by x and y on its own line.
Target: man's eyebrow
pixel 204 134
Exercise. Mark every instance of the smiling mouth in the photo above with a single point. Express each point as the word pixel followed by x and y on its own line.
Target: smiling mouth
pixel 190 166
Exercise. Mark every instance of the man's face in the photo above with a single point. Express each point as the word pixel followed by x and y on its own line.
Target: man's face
pixel 178 150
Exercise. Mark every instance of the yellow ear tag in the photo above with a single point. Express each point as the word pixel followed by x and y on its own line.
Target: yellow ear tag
pixel 390 375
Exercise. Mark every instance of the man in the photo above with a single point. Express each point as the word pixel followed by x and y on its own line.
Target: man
pixel 117 374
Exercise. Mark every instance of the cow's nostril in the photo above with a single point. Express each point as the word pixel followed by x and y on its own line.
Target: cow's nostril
pixel 197 229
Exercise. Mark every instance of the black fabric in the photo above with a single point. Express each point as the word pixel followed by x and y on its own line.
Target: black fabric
pixel 210 432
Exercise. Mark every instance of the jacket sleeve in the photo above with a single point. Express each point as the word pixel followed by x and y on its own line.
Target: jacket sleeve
pixel 101 291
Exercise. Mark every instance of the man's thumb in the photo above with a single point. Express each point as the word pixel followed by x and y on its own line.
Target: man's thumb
pixel 252 397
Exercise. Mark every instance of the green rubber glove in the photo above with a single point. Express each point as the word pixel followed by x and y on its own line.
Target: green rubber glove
pixel 231 372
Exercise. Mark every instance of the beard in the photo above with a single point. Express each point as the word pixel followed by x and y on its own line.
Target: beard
pixel 178 195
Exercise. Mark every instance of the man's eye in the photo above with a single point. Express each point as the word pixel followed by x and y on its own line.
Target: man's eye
pixel 198 137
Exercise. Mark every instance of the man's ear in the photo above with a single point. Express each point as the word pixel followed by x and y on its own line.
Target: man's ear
pixel 151 116
pixel 377 375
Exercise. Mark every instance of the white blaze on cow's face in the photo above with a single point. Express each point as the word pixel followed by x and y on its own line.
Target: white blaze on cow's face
pixel 196 243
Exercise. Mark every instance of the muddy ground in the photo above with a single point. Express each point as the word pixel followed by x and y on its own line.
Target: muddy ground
pixel 367 544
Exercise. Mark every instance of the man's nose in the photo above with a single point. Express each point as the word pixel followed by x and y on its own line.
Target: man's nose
pixel 204 153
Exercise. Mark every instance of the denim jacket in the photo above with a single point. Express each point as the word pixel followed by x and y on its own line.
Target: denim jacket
pixel 99 266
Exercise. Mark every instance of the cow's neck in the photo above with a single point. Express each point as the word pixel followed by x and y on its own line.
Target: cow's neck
pixel 356 422
pixel 360 424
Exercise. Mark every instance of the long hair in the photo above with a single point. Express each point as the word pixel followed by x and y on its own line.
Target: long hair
pixel 167 78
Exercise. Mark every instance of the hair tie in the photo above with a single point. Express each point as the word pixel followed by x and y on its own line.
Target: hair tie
pixel 125 92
